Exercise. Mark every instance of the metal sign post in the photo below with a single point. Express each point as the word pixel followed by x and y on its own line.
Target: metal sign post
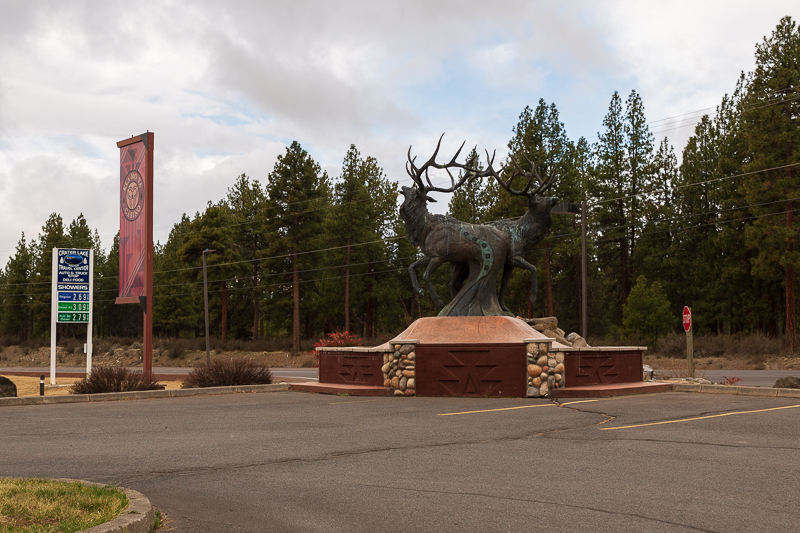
pixel 687 326
pixel 72 298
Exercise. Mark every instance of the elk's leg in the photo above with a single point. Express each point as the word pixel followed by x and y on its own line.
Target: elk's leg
pixel 507 270
pixel 423 262
pixel 456 281
pixel 434 263
pixel 520 262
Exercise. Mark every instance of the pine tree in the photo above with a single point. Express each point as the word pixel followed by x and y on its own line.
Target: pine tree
pixel 177 305
pixel 609 216
pixel 298 191
pixel 212 231
pixel 624 173
pixel 14 293
pixel 539 138
pixel 771 129
pixel 358 224
pixel 247 202
pixel 53 235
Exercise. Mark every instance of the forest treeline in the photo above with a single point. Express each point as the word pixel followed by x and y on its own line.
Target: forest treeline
pixel 307 253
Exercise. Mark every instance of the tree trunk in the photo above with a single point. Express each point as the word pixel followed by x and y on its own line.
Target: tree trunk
pixel 548 279
pixel 347 288
pixel 791 333
pixel 296 298
pixel 256 317
pixel 370 311
pixel 224 311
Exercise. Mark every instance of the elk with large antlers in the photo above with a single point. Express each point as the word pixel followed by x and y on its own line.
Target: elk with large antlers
pixel 524 233
pixel 481 249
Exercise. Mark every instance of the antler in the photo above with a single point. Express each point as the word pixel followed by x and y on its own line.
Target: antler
pixel 533 174
pixel 416 173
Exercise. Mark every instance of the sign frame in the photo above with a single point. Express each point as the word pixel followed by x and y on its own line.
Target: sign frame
pixel 61 286
pixel 128 212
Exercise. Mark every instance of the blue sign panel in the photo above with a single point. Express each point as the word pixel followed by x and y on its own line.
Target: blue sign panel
pixel 73 296
pixel 73 266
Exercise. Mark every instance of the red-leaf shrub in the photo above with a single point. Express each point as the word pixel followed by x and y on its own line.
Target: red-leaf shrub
pixel 334 340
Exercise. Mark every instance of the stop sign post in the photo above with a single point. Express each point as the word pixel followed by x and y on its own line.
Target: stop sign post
pixel 687 326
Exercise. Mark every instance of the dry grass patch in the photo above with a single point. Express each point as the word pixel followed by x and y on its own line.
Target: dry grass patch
pixel 29 386
pixel 45 506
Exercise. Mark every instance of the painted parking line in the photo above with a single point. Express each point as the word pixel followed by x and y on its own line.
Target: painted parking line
pixel 502 409
pixel 701 417
pixel 354 401
pixel 578 401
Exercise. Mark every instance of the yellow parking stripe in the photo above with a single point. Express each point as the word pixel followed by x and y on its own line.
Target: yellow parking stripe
pixel 503 409
pixel 580 401
pixel 701 417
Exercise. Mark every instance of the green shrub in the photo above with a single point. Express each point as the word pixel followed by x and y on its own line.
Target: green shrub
pixel 221 373
pixel 114 379
pixel 646 312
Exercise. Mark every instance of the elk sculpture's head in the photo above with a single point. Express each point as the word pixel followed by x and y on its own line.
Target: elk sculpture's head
pixel 415 198
pixel 539 206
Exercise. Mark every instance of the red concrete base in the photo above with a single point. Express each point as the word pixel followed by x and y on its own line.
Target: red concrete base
pixel 338 388
pixel 615 389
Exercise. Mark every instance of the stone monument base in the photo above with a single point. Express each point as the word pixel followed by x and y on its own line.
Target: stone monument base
pixel 493 356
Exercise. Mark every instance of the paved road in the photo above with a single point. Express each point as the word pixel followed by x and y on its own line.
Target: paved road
pixel 750 378
pixel 305 462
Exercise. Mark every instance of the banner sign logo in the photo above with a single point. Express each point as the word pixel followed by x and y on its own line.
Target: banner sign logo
pixel 132 195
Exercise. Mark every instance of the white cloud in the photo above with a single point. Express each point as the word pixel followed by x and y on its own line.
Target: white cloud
pixel 226 85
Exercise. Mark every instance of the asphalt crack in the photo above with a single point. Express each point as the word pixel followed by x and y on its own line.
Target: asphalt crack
pixel 354 453
pixel 545 502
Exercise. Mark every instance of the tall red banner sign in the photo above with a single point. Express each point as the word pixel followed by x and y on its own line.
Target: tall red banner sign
pixel 136 232
pixel 134 178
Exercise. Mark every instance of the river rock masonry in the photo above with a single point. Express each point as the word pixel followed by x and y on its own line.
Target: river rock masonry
pixel 399 370
pixel 545 369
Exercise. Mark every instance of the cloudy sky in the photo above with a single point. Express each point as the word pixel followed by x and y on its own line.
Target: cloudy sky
pixel 226 86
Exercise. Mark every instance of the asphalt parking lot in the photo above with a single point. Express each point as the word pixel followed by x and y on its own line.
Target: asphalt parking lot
pixel 294 461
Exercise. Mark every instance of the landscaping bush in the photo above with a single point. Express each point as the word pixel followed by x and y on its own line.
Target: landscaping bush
pixel 221 373
pixel 114 379
pixel 334 340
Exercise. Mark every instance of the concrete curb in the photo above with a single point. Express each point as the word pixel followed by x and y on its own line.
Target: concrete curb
pixel 138 517
pixel 736 391
pixel 140 395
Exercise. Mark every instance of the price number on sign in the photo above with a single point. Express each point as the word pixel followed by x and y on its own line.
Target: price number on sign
pixel 73 306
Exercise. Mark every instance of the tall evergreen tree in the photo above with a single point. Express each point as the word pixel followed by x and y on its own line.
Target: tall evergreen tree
pixel 14 293
pixel 247 202
pixel 771 129
pixel 358 222
pixel 298 191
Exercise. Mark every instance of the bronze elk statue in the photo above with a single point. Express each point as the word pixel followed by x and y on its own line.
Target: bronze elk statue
pixel 482 249
pixel 477 251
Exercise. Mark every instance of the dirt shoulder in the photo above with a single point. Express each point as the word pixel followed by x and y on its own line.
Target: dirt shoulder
pixel 725 363
pixel 14 356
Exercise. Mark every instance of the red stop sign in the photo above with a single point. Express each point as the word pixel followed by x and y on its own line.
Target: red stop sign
pixel 687 319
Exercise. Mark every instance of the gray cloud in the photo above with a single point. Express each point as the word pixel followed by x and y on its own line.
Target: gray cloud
pixel 225 85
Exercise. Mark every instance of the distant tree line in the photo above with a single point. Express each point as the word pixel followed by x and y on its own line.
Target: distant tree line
pixel 306 254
